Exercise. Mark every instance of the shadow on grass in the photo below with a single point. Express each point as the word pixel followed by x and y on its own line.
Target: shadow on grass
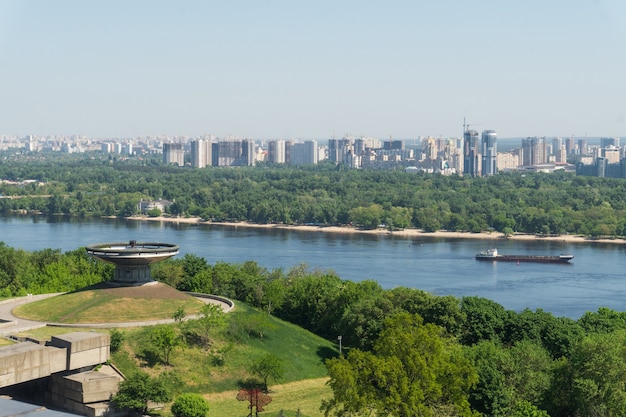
pixel 99 286
pixel 149 357
pixel 325 352
pixel 249 383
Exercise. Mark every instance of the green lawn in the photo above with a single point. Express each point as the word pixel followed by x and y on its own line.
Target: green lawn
pixel 99 307
pixel 305 396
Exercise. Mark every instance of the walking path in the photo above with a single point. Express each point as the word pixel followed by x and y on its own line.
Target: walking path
pixel 10 324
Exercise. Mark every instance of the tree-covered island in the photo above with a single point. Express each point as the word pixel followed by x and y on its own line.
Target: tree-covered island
pixel 546 204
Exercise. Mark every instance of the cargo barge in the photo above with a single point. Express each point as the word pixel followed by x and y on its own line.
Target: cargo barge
pixel 493 255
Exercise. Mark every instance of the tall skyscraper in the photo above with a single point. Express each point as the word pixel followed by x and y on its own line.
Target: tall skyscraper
pixel 393 144
pixel 173 153
pixel 570 146
pixel 248 156
pixel 306 153
pixel 200 153
pixel 339 149
pixel 559 150
pixel 489 152
pixel 359 146
pixel 333 151
pixel 606 142
pixel 471 153
pixel 276 152
pixel 233 153
pixel 534 151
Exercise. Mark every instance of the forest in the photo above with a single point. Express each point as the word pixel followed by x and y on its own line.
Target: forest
pixel 407 352
pixel 546 204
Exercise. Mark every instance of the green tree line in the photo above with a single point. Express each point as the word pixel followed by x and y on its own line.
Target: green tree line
pixel 47 271
pixel 556 203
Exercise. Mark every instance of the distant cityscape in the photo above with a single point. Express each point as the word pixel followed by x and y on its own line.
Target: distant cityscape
pixel 474 154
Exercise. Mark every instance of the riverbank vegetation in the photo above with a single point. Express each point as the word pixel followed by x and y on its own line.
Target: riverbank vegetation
pixel 546 204
pixel 411 352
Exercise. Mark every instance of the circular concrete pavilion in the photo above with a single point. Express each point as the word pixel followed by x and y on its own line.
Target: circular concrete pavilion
pixel 132 260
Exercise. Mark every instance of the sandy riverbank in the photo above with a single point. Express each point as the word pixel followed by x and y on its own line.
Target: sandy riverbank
pixel 404 233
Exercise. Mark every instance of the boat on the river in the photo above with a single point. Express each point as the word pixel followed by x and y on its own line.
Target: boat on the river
pixel 493 255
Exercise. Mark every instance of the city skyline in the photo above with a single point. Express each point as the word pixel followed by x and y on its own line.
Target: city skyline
pixel 282 69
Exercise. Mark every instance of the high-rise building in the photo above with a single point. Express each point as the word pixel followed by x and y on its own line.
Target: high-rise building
pixel 233 153
pixel 489 152
pixel 606 142
pixel 333 151
pixel 611 153
pixel 226 152
pixel 200 153
pixel 31 143
pixel 389 145
pixel 429 147
pixel 508 160
pixel 557 144
pixel 582 147
pixel 173 153
pixel 248 157
pixel 339 149
pixel 471 153
pixel 534 151
pixel 306 153
pixel 360 146
pixel 276 152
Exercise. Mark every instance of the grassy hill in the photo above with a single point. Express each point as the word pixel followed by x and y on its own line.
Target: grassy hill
pixel 217 372
pixel 101 303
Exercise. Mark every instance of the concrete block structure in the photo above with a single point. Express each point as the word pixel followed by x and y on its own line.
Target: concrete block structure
pixel 62 359
pixel 86 393
pixel 83 348
pixel 26 361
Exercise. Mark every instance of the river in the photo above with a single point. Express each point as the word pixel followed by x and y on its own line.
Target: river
pixel 595 278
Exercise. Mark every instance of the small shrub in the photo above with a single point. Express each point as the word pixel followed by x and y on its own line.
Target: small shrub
pixel 190 405
pixel 117 338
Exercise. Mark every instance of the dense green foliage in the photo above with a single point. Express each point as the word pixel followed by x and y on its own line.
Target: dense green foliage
pixel 135 392
pixel 527 362
pixel 48 271
pixel 531 203
pixel 414 369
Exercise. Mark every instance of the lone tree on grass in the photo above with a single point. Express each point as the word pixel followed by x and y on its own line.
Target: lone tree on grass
pixel 211 320
pixel 267 366
pixel 165 339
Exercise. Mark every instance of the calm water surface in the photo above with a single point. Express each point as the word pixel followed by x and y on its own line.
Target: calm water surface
pixel 595 278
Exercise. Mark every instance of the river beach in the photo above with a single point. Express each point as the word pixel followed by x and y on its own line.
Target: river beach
pixel 407 233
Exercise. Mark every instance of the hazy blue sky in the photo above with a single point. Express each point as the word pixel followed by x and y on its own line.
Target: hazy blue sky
pixel 306 69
